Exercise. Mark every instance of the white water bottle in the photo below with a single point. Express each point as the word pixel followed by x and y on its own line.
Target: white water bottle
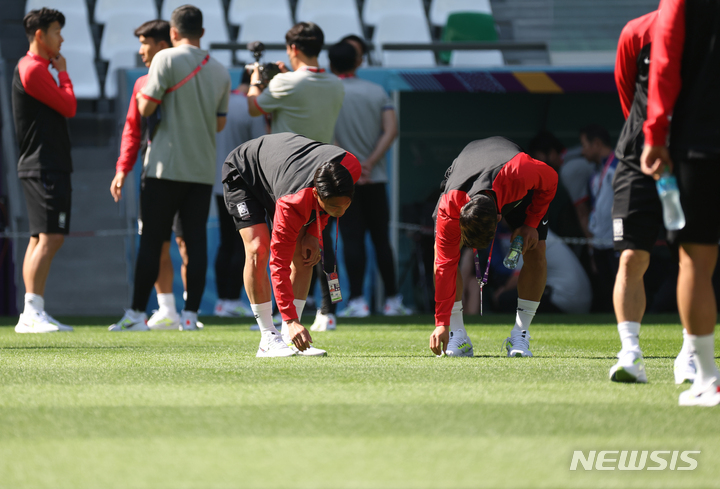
pixel 673 215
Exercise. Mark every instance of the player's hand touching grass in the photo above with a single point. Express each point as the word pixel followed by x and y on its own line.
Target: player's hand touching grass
pixel 439 339
pixel 299 335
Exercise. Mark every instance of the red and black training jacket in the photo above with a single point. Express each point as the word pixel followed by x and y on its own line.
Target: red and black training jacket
pixel 632 67
pixel 494 164
pixel 685 79
pixel 279 169
pixel 40 109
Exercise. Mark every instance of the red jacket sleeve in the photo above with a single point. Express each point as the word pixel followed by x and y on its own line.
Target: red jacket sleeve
pixel 131 135
pixel 520 175
pixel 447 253
pixel 626 67
pixel 40 85
pixel 292 212
pixel 665 81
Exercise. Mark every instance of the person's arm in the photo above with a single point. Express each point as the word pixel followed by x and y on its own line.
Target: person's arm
pixel 664 83
pixel 626 68
pixel 147 105
pixel 221 122
pixel 264 100
pixel 158 81
pixel 129 145
pixel 40 85
pixel 388 136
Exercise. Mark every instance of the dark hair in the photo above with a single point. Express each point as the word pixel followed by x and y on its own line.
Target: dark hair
pixel 188 20
pixel 342 57
pixel 332 179
pixel 158 30
pixel 357 39
pixel 41 19
pixel 596 131
pixel 478 220
pixel 307 37
pixel 545 141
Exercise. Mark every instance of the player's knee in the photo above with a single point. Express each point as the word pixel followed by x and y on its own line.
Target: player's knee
pixel 258 251
pixel 54 241
pixel 635 261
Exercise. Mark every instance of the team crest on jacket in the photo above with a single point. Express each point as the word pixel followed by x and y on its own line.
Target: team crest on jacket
pixel 617 229
pixel 243 210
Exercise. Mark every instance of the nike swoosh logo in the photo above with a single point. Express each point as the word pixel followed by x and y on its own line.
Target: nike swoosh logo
pixel 545 222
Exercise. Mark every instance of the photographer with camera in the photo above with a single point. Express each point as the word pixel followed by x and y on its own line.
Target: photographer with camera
pixel 304 101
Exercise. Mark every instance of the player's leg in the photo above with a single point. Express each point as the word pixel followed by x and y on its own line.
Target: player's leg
pixel 353 226
pixel 229 264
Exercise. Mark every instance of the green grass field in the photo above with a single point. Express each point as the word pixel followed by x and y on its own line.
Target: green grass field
pixel 91 409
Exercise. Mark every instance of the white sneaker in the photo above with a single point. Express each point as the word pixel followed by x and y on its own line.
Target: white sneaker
pixel 164 319
pixel 272 345
pixel 33 322
pixel 684 368
pixel 310 352
pixel 231 309
pixel 324 322
pixel 395 307
pixel 356 308
pixel 630 368
pixel 459 345
pixel 132 321
pixel 189 322
pixel 708 395
pixel 518 344
pixel 61 327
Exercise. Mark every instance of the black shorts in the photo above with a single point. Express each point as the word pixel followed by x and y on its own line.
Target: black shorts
pixel 242 204
pixel 49 201
pixel 637 212
pixel 176 226
pixel 516 217
pixel 697 180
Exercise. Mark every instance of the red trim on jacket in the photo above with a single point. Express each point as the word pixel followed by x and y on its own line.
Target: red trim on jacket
pixel 40 85
pixel 515 179
pixel 635 35
pixel 259 108
pixel 132 132
pixel 151 99
pixel 292 212
pixel 665 81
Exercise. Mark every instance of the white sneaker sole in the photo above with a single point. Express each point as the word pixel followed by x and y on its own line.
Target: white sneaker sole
pixel 275 353
pixel 460 353
pixel 706 399
pixel 164 326
pixel 515 353
pixel 24 328
pixel 135 328
pixel 634 374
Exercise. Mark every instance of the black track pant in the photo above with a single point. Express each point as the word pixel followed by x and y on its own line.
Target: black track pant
pixel 230 259
pixel 326 307
pixel 159 201
pixel 369 211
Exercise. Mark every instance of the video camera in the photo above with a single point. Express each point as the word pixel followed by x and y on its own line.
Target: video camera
pixel 267 70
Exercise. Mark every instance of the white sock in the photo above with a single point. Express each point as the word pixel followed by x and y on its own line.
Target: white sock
pixel 686 348
pixel 703 348
pixel 166 302
pixel 299 306
pixel 629 333
pixel 263 316
pixel 34 303
pixel 525 313
pixel 456 318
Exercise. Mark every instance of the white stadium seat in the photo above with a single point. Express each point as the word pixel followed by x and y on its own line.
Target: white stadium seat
pixel 64 6
pixel 475 59
pixel 106 9
pixel 403 29
pixel 118 34
pixel 440 9
pixel 208 7
pixel 76 33
pixel 216 31
pixel 374 10
pixel 83 74
pixel 268 28
pixel 240 10
pixel 119 60
pixel 307 9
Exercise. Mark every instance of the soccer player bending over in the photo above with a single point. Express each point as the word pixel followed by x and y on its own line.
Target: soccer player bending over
pixel 297 184
pixel 490 179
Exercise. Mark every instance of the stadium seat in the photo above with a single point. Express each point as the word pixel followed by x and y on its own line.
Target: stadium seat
pixel 208 8
pixel 307 9
pixel 118 34
pixel 216 31
pixel 268 28
pixel 440 9
pixel 83 73
pixel 240 10
pixel 401 28
pixel 471 26
pixel 374 10
pixel 76 33
pixel 106 9
pixel 64 6
pixel 119 60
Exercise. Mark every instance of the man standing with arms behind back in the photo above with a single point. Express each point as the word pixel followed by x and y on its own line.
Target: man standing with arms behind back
pixel 40 109
pixel 180 164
